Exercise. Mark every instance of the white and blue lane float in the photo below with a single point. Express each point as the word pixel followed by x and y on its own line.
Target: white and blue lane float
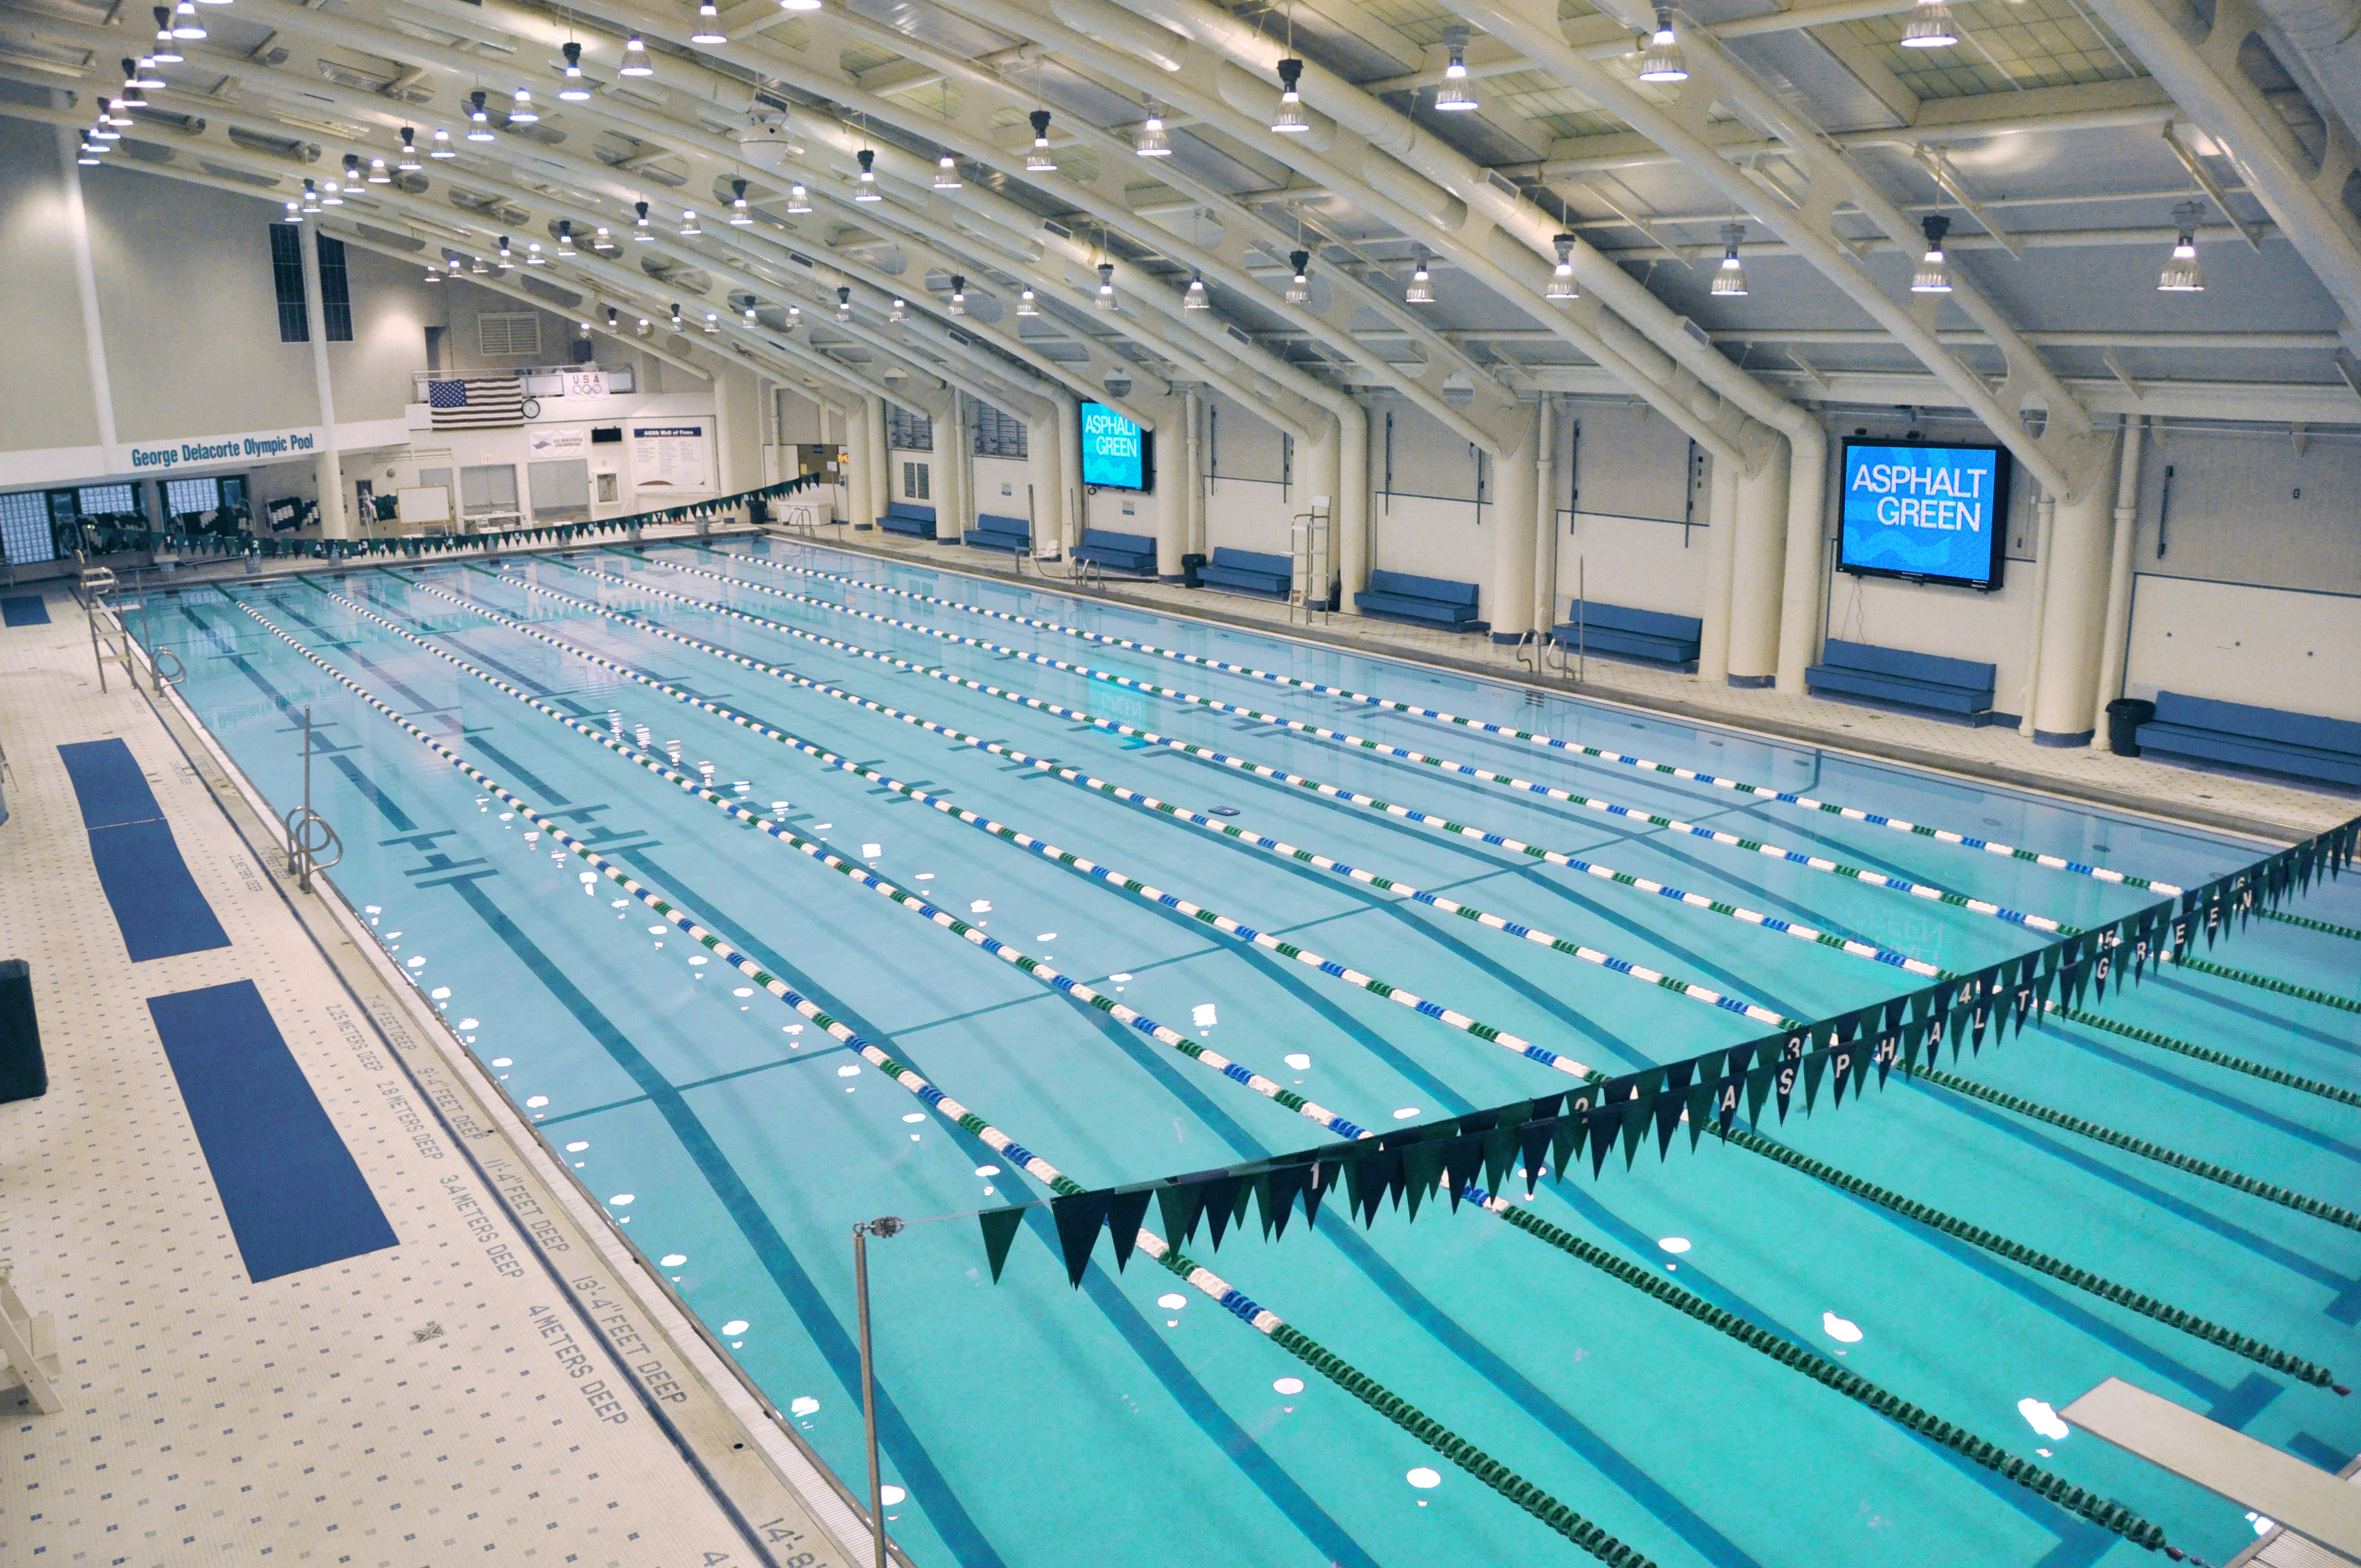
pixel 1622 759
pixel 1873 951
pixel 1552 1513
pixel 1451 1017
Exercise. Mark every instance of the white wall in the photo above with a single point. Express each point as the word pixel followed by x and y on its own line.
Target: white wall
pixel 2272 647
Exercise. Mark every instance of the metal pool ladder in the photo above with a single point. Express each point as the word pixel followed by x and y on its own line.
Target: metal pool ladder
pixel 308 832
pixel 111 641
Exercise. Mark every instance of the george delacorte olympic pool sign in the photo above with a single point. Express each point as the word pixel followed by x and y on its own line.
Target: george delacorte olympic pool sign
pixel 259 446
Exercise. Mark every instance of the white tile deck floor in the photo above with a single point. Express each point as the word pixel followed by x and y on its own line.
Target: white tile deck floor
pixel 412 1406
pixel 2226 801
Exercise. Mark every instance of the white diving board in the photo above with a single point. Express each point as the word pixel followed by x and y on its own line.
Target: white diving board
pixel 2304 1499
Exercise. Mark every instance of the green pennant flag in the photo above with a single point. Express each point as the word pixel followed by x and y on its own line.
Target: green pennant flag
pixel 1000 1227
pixel 1758 1089
pixel 1636 1116
pixel 1181 1203
pixel 1814 1065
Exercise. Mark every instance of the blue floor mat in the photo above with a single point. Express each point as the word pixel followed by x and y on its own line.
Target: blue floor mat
pixel 25 609
pixel 158 905
pixel 295 1198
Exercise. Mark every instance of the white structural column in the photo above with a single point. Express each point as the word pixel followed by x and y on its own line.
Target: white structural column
pixel 1053 441
pixel 1353 529
pixel 327 462
pixel 2045 527
pixel 1193 479
pixel 1720 554
pixel 93 334
pixel 2117 632
pixel 955 461
pixel 1509 593
pixel 2074 608
pixel 1172 494
pixel 1545 518
pixel 1758 567
pixel 1806 569
pixel 865 486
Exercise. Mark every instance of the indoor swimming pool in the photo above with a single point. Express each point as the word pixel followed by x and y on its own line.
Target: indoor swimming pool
pixel 1216 847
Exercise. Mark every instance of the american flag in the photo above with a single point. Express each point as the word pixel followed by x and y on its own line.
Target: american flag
pixel 475 402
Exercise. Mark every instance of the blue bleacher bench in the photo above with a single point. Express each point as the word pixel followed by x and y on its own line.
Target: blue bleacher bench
pixel 1399 595
pixel 2264 738
pixel 1248 572
pixel 991 532
pixel 1865 672
pixel 1622 632
pixel 1124 551
pixel 907 517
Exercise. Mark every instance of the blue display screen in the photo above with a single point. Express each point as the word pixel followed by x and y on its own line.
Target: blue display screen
pixel 1116 451
pixel 1922 510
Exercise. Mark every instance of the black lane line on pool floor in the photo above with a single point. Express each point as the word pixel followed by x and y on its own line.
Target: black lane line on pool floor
pixel 1186 1091
pixel 820 1321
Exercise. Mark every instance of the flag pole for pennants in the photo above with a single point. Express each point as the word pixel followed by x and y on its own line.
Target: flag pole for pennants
pixel 884 1225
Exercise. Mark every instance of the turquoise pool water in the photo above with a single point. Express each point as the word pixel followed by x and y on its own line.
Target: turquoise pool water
pixel 1031 1423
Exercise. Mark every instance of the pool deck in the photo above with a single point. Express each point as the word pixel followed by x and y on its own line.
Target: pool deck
pixel 402 1407
pixel 509 1384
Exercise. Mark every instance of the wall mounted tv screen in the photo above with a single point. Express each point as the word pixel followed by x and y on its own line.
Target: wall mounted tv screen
pixel 1930 512
pixel 1117 454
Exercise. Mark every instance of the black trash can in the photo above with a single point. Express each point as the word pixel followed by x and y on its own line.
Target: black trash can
pixel 1189 564
pixel 23 1074
pixel 2124 715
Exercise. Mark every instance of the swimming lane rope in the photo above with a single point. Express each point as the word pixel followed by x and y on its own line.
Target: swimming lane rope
pixel 2081 1278
pixel 1638 972
pixel 1359 742
pixel 1851 813
pixel 1557 1516
pixel 1217 921
pixel 1336 792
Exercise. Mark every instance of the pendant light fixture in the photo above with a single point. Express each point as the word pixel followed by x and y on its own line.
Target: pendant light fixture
pixel 712 321
pixel 1105 299
pixel 408 162
pixel 1289 119
pixel 688 229
pixel 310 200
pixel 1026 304
pixel 1729 279
pixel 900 314
pixel 675 318
pixel 1299 289
pixel 946 173
pixel 798 199
pixel 576 89
pixel 1934 273
pixel 1561 284
pixel 378 174
pixel 132 83
pixel 709 25
pixel 2181 275
pixel 185 26
pixel 295 215
pixel 1039 161
pixel 442 148
pixel 1453 97
pixel 167 48
pixel 1151 141
pixel 1195 298
pixel 504 250
pixel 642 231
pixel 794 317
pixel 864 182
pixel 565 238
pixel 479 120
pixel 1421 284
pixel 524 113
pixel 799 5
pixel 1930 27
pixel 844 306
pixel 451 264
pixel 752 319
pixel 740 215
pixel 635 58
pixel 90 154
pixel 110 111
pixel 533 256
pixel 477 267
pixel 433 275
pixel 959 295
pixel 142 72
pixel 1661 62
